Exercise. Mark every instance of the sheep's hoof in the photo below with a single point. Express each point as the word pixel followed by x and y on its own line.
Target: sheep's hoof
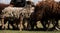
pixel 57 28
pixel 20 29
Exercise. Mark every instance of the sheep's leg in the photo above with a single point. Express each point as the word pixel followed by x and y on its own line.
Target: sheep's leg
pixel 2 23
pixel 21 21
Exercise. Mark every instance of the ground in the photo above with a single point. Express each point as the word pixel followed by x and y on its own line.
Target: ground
pixel 14 31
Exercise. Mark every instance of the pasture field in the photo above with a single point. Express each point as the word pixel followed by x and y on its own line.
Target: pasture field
pixel 13 31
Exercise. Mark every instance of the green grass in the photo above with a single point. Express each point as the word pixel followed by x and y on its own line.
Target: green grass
pixel 14 31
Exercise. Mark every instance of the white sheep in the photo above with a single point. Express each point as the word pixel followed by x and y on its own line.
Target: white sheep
pixel 17 12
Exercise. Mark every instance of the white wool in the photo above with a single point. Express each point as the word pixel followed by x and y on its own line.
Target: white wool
pixel 17 11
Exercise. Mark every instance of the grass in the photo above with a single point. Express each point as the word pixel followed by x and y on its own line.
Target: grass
pixel 14 31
